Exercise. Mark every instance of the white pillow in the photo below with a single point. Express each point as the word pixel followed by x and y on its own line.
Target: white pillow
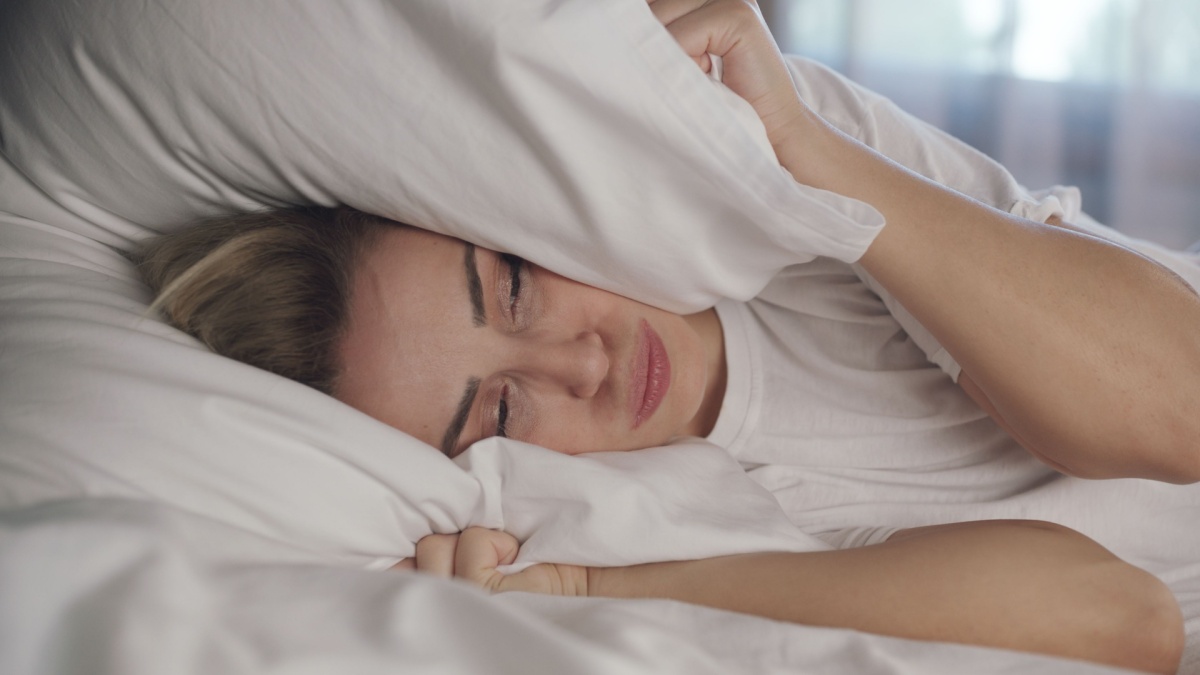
pixel 96 399
pixel 574 133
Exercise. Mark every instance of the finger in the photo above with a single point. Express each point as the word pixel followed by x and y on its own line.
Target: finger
pixel 693 43
pixel 480 552
pixel 667 11
pixel 435 554
pixel 715 27
pixel 704 28
pixel 405 564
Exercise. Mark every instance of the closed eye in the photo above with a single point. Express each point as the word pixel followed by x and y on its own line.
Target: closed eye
pixel 515 265
pixel 502 418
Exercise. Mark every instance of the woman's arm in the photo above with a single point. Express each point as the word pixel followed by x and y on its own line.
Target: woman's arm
pixel 1020 585
pixel 1087 352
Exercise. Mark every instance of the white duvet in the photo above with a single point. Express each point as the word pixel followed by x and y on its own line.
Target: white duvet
pixel 105 586
pixel 166 510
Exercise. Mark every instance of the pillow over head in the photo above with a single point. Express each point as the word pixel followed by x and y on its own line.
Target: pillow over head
pixel 573 131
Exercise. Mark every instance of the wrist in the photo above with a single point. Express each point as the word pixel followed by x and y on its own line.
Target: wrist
pixel 810 148
pixel 574 581
pixel 618 582
pixel 598 582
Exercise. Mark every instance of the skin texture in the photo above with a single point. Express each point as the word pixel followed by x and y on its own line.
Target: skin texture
pixel 555 352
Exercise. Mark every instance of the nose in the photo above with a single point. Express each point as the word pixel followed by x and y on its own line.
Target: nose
pixel 579 364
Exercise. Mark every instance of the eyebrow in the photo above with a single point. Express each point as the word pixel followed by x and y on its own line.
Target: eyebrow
pixel 479 318
pixel 475 286
pixel 450 439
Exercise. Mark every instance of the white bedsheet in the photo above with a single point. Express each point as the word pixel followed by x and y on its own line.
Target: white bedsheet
pixel 111 587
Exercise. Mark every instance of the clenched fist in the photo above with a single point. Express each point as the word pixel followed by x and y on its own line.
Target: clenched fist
pixel 475 553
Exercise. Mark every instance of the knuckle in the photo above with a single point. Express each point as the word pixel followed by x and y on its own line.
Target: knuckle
pixel 436 541
pixel 743 9
pixel 435 554
pixel 472 536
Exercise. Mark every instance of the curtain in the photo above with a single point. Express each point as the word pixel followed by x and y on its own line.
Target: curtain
pixel 1101 94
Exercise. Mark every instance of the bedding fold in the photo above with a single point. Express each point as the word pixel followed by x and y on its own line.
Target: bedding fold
pixel 115 587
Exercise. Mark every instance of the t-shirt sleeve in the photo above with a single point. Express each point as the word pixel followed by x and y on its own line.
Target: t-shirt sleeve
pixel 878 122
pixel 857 537
pixel 921 337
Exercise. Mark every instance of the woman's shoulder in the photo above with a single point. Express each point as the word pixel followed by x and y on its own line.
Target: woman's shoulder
pixel 819 287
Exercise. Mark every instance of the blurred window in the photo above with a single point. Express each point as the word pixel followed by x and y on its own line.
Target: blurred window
pixel 1101 94
pixel 1153 43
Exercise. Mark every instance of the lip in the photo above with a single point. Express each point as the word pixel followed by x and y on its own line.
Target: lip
pixel 651 375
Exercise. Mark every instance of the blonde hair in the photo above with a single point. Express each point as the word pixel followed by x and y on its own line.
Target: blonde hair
pixel 271 289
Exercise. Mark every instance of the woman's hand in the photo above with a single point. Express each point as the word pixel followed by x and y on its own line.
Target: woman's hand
pixel 751 63
pixel 753 68
pixel 475 553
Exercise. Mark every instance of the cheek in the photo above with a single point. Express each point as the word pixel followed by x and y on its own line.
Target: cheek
pixel 572 427
pixel 689 371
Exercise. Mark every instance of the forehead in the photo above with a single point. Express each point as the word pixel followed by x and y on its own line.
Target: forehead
pixel 410 312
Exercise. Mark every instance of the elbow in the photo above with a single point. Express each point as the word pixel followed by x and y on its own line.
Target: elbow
pixel 1173 454
pixel 1158 623
pixel 1184 470
pixel 1175 436
pixel 1109 611
pixel 1180 467
pixel 1183 459
pixel 1167 449
pixel 1145 629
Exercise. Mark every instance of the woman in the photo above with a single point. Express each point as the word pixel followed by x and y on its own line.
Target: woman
pixel 452 344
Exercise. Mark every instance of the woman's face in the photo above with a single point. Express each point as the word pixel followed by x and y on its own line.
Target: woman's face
pixel 452 344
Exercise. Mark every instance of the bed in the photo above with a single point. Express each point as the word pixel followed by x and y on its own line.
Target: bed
pixel 166 510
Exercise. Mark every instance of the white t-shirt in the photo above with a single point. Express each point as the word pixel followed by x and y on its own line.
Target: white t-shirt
pixel 831 406
pixel 846 408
